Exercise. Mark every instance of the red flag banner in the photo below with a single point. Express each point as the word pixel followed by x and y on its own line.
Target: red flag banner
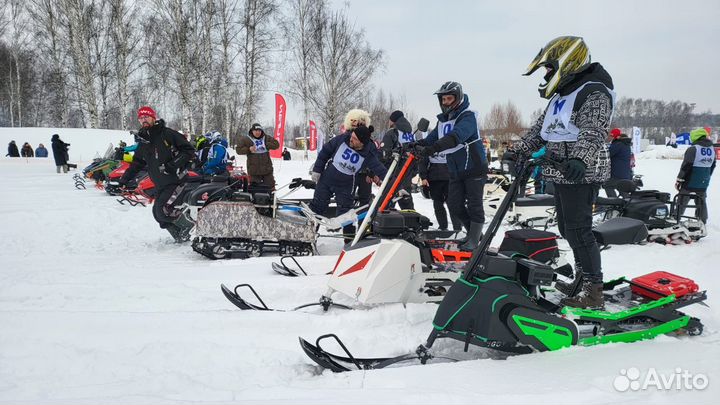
pixel 279 133
pixel 313 136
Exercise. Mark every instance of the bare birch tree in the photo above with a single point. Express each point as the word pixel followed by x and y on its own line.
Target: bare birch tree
pixel 342 69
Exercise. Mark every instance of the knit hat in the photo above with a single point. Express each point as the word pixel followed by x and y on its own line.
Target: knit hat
pixel 697 134
pixel 363 133
pixel 147 111
pixel 395 115
pixel 254 127
pixel 615 133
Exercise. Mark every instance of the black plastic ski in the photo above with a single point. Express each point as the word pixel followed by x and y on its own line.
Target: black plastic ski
pixel 234 297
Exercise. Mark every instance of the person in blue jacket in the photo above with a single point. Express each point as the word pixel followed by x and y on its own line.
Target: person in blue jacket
pixel 217 156
pixel 695 171
pixel 620 153
pixel 41 151
pixel 336 167
pixel 457 136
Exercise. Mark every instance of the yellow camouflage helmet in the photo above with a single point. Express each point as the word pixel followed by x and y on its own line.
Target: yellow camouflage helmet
pixel 565 56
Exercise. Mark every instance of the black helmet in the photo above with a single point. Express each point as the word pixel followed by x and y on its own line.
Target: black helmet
pixel 453 88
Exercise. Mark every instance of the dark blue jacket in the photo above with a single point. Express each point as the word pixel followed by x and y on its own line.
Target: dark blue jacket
pixel 620 154
pixel 465 131
pixel 369 152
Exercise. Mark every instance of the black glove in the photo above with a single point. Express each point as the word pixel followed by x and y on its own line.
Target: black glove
pixel 167 168
pixel 510 155
pixel 424 151
pixel 423 125
pixel 574 170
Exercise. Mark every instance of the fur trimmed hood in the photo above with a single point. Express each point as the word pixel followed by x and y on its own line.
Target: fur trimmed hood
pixel 361 116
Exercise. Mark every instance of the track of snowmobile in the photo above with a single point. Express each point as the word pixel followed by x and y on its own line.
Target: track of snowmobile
pixel 97 305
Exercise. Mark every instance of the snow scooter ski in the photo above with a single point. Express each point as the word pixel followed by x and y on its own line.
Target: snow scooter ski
pixel 498 304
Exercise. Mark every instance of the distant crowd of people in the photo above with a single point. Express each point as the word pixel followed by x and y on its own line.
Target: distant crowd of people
pixel 59 148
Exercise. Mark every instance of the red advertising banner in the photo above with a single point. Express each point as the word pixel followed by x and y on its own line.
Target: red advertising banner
pixel 313 136
pixel 279 133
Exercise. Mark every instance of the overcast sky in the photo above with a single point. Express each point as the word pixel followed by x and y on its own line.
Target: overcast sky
pixel 652 49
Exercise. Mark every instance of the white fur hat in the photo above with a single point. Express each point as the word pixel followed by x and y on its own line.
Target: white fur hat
pixel 360 116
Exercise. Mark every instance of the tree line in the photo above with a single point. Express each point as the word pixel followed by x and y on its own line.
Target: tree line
pixel 203 64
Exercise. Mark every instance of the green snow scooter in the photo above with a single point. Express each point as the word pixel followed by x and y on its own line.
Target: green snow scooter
pixel 506 303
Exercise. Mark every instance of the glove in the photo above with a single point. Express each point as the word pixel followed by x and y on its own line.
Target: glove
pixel 424 151
pixel 510 155
pixel 679 184
pixel 574 170
pixel 167 168
pixel 315 176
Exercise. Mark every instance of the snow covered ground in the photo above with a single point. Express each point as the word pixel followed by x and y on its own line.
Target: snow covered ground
pixel 97 305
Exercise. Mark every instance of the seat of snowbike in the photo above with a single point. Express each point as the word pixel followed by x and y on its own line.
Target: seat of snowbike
pixel 536 200
pixel 612 201
pixel 621 231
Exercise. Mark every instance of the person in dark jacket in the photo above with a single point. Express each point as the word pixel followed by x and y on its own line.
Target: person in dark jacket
pixel 336 169
pixel 620 153
pixel 574 128
pixel 165 154
pixel 286 154
pixel 457 137
pixel 41 152
pixel 60 153
pixel 434 175
pixel 27 151
pixel 257 146
pixel 13 150
pixel 399 138
pixel 695 172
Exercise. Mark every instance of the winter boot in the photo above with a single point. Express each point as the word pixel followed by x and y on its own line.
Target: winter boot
pixel 474 234
pixel 467 227
pixel 590 296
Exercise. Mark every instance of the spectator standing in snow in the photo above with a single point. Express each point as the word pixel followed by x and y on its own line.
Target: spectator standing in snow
pixel 13 150
pixel 41 152
pixel 257 146
pixel 60 153
pixel 620 152
pixel 27 151
pixel 286 154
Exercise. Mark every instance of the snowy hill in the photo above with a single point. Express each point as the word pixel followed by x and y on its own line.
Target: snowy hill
pixel 97 305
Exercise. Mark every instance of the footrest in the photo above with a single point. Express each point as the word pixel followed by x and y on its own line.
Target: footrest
pixel 621 231
pixel 536 200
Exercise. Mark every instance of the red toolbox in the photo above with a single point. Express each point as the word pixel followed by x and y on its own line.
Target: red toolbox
pixel 660 284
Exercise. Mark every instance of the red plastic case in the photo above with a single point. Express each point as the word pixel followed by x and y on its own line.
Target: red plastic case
pixel 660 284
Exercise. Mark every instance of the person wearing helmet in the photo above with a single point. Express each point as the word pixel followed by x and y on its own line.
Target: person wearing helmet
pixel 695 171
pixel 620 153
pixel 257 146
pixel 573 129
pixel 217 157
pixel 456 140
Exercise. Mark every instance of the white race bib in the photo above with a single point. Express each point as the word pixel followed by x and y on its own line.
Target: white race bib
pixel 405 137
pixel 556 125
pixel 259 144
pixel 347 160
